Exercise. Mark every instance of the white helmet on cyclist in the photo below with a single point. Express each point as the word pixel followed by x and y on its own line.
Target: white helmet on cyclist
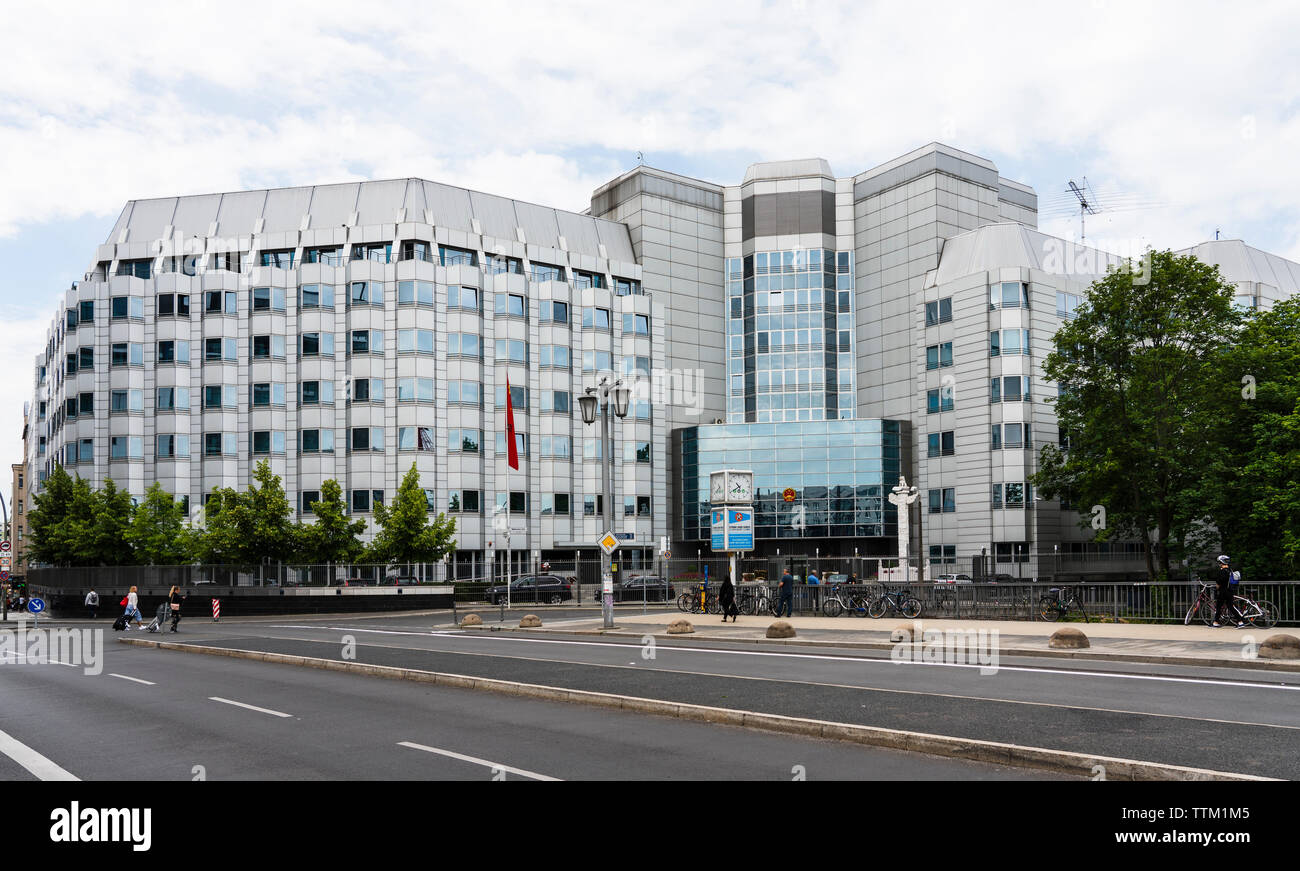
pixel 1223 558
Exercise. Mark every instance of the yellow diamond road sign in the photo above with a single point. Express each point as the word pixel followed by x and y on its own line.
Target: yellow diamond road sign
pixel 608 543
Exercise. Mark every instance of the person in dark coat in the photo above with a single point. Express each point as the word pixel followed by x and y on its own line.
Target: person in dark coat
pixel 174 601
pixel 1223 580
pixel 785 596
pixel 727 599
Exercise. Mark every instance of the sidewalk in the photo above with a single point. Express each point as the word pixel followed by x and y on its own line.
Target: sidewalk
pixel 1130 642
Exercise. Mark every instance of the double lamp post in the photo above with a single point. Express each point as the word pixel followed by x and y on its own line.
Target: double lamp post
pixel 606 394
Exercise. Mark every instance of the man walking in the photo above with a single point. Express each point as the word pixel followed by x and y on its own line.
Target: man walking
pixel 1224 582
pixel 785 596
pixel 92 602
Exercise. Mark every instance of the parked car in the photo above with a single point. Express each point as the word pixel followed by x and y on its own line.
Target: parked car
pixel 647 588
pixel 533 588
pixel 953 579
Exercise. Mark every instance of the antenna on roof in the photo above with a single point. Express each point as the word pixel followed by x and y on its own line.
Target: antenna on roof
pixel 1087 203
pixel 640 159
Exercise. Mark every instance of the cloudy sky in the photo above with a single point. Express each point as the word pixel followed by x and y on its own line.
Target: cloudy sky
pixel 1184 117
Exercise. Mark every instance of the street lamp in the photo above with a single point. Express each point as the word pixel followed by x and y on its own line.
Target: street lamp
pixel 605 394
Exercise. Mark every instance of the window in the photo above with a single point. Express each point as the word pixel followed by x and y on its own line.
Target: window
pixel 553 312
pixel 1009 294
pixel 415 293
pixel 556 402
pixel 943 554
pixel 307 500
pixel 1011 551
pixel 70 407
pixel 87 453
pixel 126 448
pixel 122 401
pixel 413 341
pixel 521 444
pixel 597 361
pixel 514 350
pixel 465 502
pixel 464 393
pixel 449 256
pixel 368 390
pixel 938 400
pixel 217 302
pixel 636 452
pixel 1005 342
pixel 593 505
pixel 216 350
pixel 266 347
pixel 169 446
pixel 86 358
pixel 377 252
pixel 87 310
pixel 546 272
pixel 266 394
pixel 174 351
pixel 415 390
pixel 314 441
pixel 555 504
pixel 553 356
pixel 511 305
pixel 626 286
pixel 212 396
pixel 463 298
pixel 366 293
pixel 938 312
pixel 278 259
pixel 938 356
pixel 1012 388
pixel 595 319
pixel 516 501
pixel 636 325
pixel 368 438
pixel 118 307
pixel 173 399
pixel 415 438
pixel 316 296
pixel 361 500
pixel 316 393
pixel 1067 305
pixel 330 256
pixel 1010 435
pixel 118 354
pixel 317 345
pixel 465 441
pixel 940 444
pixel 943 501
pixel 367 342
pixel 518 397
pixel 464 345
pixel 498 264
pixel 557 446
pixel 86 403
pixel 1013 495
pixel 172 305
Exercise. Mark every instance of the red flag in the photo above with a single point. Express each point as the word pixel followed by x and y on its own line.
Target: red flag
pixel 512 451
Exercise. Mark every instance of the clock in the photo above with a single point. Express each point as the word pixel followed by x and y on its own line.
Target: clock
pixel 718 487
pixel 740 487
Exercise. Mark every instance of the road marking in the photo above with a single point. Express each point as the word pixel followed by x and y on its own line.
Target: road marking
pixel 31 760
pixel 497 766
pixel 250 707
pixel 136 679
pixel 61 662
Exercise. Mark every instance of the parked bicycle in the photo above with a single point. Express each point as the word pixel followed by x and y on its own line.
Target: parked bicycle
pixel 751 602
pixel 839 601
pixel 900 601
pixel 1059 602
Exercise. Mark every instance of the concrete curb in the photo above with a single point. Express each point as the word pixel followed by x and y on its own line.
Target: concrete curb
pixel 1292 665
pixel 1061 761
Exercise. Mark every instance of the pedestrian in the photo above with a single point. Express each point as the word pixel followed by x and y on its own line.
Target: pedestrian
pixel 1224 580
pixel 133 609
pixel 92 602
pixel 785 596
pixel 815 590
pixel 174 600
pixel 727 600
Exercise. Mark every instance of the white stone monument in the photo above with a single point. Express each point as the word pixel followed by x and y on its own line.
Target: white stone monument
pixel 903 497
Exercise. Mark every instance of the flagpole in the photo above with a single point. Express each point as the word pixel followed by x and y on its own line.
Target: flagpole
pixel 510 443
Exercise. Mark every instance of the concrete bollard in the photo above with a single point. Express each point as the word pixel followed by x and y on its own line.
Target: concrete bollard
pixel 1068 638
pixel 471 620
pixel 680 627
pixel 530 621
pixel 1280 646
pixel 780 629
pixel 905 632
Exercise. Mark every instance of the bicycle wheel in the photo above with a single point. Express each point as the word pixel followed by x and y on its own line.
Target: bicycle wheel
pixel 911 607
pixel 858 606
pixel 712 605
pixel 1208 612
pixel 832 607
pixel 879 607
pixel 1192 612
pixel 684 602
pixel 1049 609
pixel 1267 616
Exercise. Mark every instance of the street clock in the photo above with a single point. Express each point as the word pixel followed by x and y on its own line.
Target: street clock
pixel 731 487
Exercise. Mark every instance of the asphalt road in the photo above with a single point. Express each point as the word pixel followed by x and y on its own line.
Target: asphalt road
pixel 1171 714
pixel 162 715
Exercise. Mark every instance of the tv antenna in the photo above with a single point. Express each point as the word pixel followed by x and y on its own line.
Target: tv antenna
pixel 1087 203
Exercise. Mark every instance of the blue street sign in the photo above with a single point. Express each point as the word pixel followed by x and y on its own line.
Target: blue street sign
pixel 36 606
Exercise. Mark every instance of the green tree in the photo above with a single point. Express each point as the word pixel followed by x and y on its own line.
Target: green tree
pixel 46 520
pixel 1136 370
pixel 332 538
pixel 108 543
pixel 406 535
pixel 158 534
pixel 1250 488
pixel 248 528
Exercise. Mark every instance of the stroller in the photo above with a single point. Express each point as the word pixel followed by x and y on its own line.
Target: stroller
pixel 159 618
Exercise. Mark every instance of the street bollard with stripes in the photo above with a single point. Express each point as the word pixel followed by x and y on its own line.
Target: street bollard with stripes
pixel 216 610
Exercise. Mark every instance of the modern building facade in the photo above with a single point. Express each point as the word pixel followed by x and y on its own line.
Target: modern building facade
pixel 862 327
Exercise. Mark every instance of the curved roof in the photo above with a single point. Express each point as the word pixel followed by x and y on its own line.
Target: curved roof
pixel 1010 244
pixel 1237 261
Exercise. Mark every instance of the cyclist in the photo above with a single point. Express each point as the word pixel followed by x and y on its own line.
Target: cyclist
pixel 1223 580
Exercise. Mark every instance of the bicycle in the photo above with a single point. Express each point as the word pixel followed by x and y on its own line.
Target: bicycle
pixel 754 602
pixel 1203 606
pixel 1061 601
pixel 896 600
pixel 838 601
pixel 1259 613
